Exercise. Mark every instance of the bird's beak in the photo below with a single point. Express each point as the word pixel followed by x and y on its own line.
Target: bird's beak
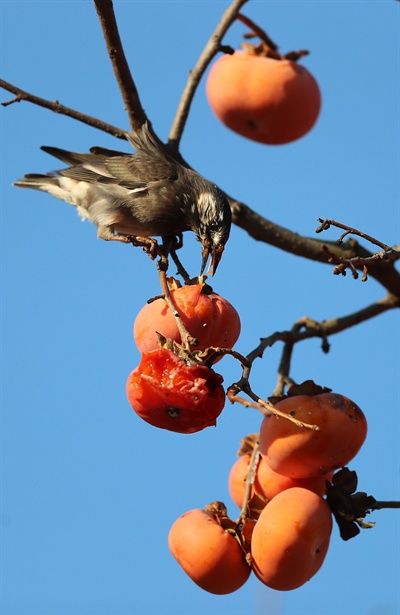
pixel 216 255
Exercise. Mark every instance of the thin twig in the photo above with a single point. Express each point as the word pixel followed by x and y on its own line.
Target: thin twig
pixel 326 224
pixel 355 263
pixel 265 407
pixel 126 84
pixel 187 340
pixel 250 478
pixel 324 329
pixel 358 262
pixel 210 50
pixel 22 95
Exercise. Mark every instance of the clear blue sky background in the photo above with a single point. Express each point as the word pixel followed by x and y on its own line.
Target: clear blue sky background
pixel 89 491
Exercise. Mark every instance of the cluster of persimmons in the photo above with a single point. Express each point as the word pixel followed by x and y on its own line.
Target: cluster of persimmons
pixel 283 532
pixel 171 388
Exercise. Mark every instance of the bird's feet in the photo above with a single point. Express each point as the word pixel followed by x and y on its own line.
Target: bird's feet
pixel 152 248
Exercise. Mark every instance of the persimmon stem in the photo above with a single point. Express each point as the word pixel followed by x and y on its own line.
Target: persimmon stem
pixel 257 31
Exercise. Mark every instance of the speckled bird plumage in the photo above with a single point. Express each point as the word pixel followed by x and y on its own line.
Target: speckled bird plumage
pixel 143 194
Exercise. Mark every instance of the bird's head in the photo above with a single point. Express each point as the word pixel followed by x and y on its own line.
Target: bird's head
pixel 214 225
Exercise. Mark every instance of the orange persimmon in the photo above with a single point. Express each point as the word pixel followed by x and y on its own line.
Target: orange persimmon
pixel 207 316
pixel 272 101
pixel 210 556
pixel 302 453
pixel 168 393
pixel 291 538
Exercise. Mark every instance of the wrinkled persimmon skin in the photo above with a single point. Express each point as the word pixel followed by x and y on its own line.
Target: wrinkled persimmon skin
pixel 302 453
pixel 268 483
pixel 210 318
pixel 209 555
pixel 167 393
pixel 291 538
pixel 266 100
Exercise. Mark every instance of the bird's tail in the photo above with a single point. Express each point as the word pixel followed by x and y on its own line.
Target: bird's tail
pixel 37 181
pixel 60 187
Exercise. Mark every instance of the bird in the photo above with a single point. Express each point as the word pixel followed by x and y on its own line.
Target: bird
pixel 144 194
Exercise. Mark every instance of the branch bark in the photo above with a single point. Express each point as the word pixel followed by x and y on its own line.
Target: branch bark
pixel 264 230
pixel 57 107
pixel 210 50
pixel 126 84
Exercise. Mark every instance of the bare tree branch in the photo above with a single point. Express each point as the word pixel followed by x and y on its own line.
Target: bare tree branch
pixel 307 328
pixel 349 230
pixel 261 229
pixel 210 50
pixel 57 107
pixel 119 63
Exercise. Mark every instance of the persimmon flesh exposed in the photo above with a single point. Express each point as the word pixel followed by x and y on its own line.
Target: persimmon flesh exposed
pixel 168 393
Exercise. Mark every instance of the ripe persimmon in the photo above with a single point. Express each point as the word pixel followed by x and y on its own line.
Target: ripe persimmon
pixel 169 393
pixel 272 101
pixel 302 453
pixel 268 483
pixel 207 316
pixel 291 538
pixel 210 555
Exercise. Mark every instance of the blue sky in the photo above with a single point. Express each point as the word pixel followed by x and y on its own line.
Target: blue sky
pixel 89 491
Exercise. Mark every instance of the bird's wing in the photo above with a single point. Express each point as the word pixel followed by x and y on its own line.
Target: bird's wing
pixel 149 166
pixel 141 168
pixel 73 158
pixel 98 150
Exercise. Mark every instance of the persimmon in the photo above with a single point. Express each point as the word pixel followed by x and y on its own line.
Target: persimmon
pixel 207 316
pixel 272 101
pixel 211 556
pixel 169 393
pixel 268 483
pixel 291 538
pixel 302 453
